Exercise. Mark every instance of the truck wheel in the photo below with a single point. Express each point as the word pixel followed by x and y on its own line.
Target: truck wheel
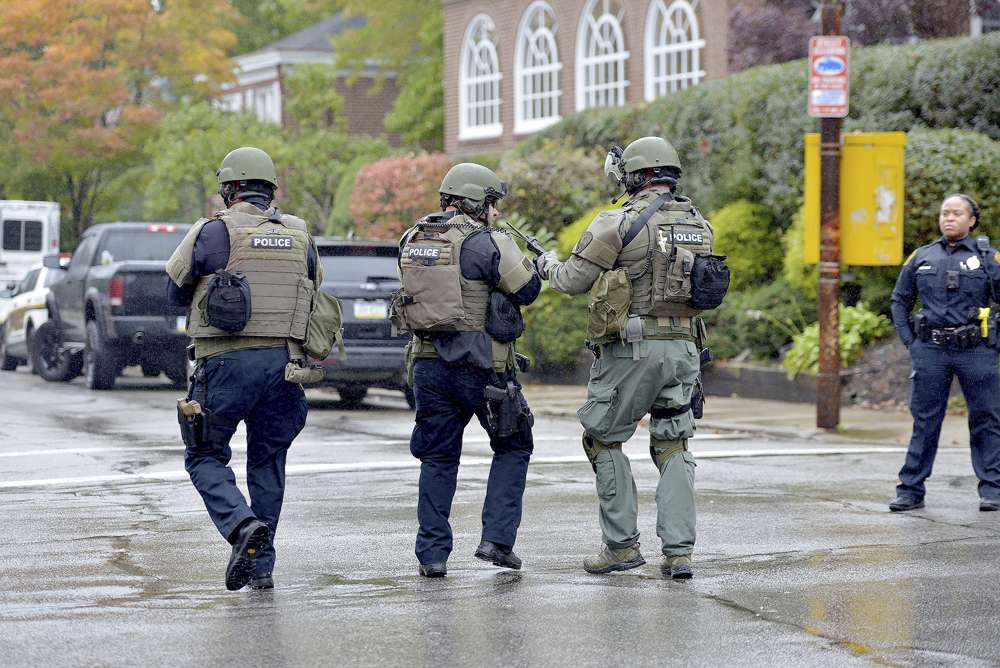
pixel 48 357
pixel 352 395
pixel 7 363
pixel 150 371
pixel 99 364
pixel 178 371
pixel 411 399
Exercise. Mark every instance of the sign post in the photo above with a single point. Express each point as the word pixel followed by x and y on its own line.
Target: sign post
pixel 828 100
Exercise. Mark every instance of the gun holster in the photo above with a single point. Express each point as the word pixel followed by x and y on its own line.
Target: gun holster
pixel 194 421
pixel 507 411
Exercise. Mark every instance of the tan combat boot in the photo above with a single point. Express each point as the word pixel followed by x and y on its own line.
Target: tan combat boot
pixel 679 568
pixel 611 559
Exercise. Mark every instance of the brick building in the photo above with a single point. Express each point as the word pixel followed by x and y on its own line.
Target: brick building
pixel 261 76
pixel 513 67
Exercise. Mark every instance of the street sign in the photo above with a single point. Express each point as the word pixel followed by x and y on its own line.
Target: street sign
pixel 829 82
pixel 871 199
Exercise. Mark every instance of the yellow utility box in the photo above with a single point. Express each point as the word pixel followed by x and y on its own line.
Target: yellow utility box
pixel 871 198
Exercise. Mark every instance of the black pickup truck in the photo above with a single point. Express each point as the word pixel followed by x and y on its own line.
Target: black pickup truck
pixel 109 309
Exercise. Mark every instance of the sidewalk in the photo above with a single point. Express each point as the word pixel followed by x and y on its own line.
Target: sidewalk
pixel 779 419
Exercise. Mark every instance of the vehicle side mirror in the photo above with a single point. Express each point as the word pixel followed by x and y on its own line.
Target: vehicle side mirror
pixel 51 262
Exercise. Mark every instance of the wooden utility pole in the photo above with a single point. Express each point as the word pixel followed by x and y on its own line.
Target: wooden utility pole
pixel 828 380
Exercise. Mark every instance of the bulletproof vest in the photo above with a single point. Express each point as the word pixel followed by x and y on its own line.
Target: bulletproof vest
pixel 435 296
pixel 660 259
pixel 271 252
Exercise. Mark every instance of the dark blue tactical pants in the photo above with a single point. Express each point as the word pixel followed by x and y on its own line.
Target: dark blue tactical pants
pixel 248 386
pixel 934 366
pixel 447 398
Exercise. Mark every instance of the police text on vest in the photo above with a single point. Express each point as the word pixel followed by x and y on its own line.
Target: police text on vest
pixel 272 242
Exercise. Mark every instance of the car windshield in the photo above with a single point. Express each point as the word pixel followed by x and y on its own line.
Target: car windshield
pixel 358 264
pixel 139 244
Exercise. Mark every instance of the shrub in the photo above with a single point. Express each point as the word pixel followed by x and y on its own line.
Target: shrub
pixel 803 277
pixel 759 322
pixel 391 194
pixel 554 185
pixel 744 232
pixel 555 330
pixel 858 326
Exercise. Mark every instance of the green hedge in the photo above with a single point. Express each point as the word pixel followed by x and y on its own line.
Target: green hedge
pixel 744 233
pixel 741 137
pixel 555 330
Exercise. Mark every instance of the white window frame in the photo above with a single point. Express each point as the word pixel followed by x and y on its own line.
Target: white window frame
pixel 536 69
pixel 606 65
pixel 479 44
pixel 672 48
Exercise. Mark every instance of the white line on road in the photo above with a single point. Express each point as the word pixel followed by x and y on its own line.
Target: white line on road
pixel 323 443
pixel 396 465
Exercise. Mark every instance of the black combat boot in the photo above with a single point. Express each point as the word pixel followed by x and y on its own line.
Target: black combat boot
pixel 438 570
pixel 262 582
pixel 901 504
pixel 498 555
pixel 251 538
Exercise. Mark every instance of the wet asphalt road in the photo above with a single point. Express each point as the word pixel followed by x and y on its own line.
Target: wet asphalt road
pixel 110 558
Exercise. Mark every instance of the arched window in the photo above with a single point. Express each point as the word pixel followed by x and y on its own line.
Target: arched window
pixel 673 48
pixel 536 70
pixel 601 56
pixel 479 82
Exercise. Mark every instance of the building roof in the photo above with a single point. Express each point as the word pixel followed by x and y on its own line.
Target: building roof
pixel 316 37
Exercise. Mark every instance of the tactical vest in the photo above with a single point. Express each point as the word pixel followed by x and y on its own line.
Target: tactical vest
pixel 660 258
pixel 272 254
pixel 435 296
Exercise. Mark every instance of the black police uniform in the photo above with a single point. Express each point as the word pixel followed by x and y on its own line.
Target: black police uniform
pixel 243 385
pixel 449 390
pixel 953 281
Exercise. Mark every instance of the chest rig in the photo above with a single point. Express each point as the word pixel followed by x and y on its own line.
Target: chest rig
pixel 660 257
pixel 435 296
pixel 270 250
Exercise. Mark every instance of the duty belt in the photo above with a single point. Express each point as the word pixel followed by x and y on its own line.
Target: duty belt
pixel 966 336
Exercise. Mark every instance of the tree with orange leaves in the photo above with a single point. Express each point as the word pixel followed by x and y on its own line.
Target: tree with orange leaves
pixel 82 83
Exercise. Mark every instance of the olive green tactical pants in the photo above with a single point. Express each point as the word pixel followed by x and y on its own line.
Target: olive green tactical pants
pixel 621 391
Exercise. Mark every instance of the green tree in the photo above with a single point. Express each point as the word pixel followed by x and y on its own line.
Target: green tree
pixel 186 152
pixel 266 21
pixel 404 38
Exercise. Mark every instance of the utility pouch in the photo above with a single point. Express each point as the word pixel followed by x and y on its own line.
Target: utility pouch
pixel 522 362
pixel 503 318
pixel 411 359
pixel 325 328
pixel 920 327
pixel 634 331
pixel 227 301
pixel 709 282
pixel 396 319
pixel 507 412
pixel 304 375
pixel 672 275
pixel 610 298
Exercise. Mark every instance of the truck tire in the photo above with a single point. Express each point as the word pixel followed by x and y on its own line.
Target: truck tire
pixel 7 363
pixel 178 371
pixel 29 343
pixel 47 356
pixel 352 395
pixel 100 365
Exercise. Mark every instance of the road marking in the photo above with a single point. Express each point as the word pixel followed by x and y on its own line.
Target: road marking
pixel 239 447
pixel 412 464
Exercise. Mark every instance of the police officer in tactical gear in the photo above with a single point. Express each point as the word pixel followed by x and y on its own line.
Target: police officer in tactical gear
pixel 641 265
pixel 462 285
pixel 267 262
pixel 954 334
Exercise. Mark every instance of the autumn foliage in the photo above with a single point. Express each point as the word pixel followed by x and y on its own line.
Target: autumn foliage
pixel 391 194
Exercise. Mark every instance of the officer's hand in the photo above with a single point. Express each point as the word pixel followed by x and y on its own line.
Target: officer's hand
pixel 544 262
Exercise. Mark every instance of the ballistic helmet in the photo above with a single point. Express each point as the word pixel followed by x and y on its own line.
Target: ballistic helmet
pixel 247 164
pixel 473 182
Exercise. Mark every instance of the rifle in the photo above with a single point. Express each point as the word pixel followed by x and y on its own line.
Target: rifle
pixel 531 242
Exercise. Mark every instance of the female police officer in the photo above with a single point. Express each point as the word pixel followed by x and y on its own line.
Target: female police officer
pixel 955 278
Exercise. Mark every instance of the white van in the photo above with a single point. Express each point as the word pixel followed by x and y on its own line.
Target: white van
pixel 28 232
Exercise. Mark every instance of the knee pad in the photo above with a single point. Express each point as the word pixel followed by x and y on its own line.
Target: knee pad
pixel 662 451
